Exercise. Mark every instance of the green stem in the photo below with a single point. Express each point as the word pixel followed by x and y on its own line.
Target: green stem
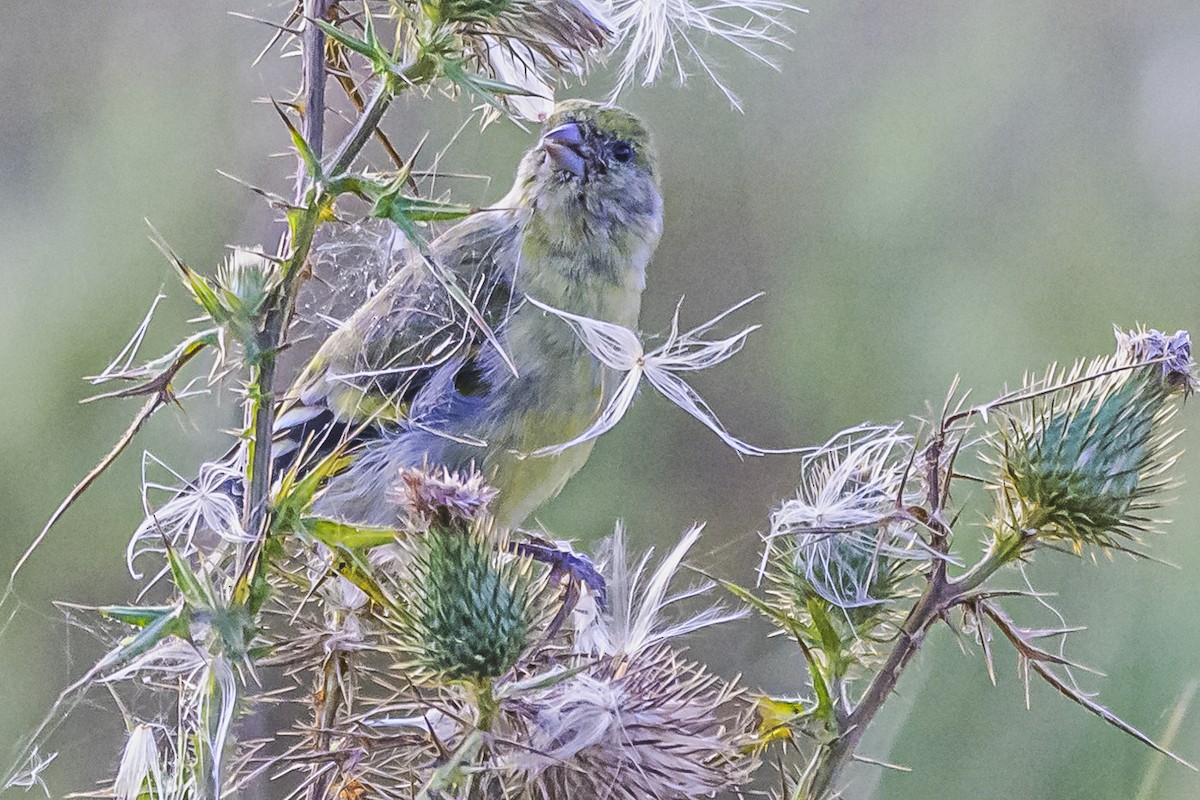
pixel 489 706
pixel 834 757
pixel 367 123
pixel 279 314
pixel 447 775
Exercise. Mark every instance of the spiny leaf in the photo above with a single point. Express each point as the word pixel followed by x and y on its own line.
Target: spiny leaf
pixel 354 537
pixel 296 491
pixel 174 623
pixel 138 616
pixel 369 47
pixel 348 564
pixel 482 85
pixel 193 590
pixel 311 163
pixel 403 210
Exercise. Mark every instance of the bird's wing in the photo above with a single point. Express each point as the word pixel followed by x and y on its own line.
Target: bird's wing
pixel 366 374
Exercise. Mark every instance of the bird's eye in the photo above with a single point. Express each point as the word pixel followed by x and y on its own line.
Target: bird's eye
pixel 622 151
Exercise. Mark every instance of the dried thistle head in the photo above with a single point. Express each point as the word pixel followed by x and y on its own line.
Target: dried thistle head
pixel 659 726
pixel 638 600
pixel 528 46
pixel 1171 352
pixel 844 537
pixel 661 35
pixel 1084 463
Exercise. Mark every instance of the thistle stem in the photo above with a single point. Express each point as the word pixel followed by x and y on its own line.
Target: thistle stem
pixel 834 757
pixel 937 597
pixel 364 129
pixel 275 324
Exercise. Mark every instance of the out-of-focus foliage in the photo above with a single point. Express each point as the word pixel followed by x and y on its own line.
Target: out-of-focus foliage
pixel 923 190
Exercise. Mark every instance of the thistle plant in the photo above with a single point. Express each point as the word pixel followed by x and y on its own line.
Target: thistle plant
pixel 864 562
pixel 437 651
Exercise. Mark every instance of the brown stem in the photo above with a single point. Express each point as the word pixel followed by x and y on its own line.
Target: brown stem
pixel 313 87
pixel 327 701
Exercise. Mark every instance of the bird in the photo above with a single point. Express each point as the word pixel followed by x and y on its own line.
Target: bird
pixel 410 380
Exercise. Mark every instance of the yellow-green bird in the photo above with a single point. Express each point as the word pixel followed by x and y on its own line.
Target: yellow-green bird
pixel 409 381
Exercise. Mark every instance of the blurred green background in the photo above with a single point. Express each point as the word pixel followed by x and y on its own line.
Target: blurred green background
pixel 924 189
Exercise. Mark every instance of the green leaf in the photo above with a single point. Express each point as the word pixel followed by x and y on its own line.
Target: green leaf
pixel 404 210
pixel 368 47
pixel 311 163
pixel 355 537
pixel 234 626
pixel 351 566
pixel 139 616
pixel 359 185
pixel 831 643
pixel 203 292
pixel 296 493
pixel 174 623
pixel 538 682
pixel 193 590
pixel 359 46
pixel 779 617
pixel 800 633
pixel 482 85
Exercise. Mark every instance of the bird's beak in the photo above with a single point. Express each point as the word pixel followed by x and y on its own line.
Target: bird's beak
pixel 564 146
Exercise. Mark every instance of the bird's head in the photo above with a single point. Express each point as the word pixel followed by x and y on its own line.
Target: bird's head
pixel 592 179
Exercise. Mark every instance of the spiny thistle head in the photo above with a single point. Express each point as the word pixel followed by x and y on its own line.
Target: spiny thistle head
pixel 247 278
pixel 1084 464
pixel 471 614
pixel 843 538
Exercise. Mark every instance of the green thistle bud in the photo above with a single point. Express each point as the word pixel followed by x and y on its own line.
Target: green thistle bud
pixel 1082 465
pixel 246 280
pixel 242 287
pixel 473 616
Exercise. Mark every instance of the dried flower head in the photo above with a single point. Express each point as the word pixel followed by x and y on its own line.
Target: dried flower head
pixel 659 727
pixel 208 504
pixel 844 533
pixel 442 496
pixel 639 601
pixel 1172 352
pixel 661 35
pixel 530 46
